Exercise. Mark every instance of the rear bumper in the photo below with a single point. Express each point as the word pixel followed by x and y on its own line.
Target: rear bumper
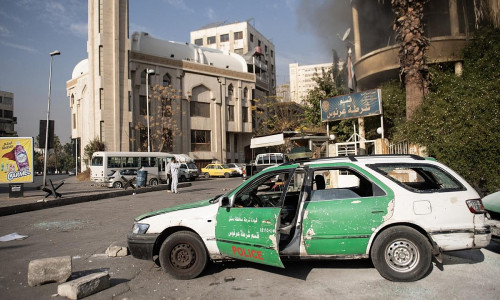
pixel 461 239
pixel 141 246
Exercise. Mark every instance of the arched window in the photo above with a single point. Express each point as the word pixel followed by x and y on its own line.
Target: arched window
pixel 245 94
pixel 167 80
pixel 230 90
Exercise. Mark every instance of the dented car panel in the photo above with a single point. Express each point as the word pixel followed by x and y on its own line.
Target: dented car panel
pixel 249 234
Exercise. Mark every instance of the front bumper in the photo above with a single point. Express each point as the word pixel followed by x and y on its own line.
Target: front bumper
pixel 141 245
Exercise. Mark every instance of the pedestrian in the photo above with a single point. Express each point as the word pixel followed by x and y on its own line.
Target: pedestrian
pixel 174 170
pixel 169 175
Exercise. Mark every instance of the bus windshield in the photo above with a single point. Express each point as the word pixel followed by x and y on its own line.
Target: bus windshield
pixel 97 161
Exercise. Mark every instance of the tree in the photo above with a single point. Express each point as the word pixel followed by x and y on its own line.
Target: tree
pixel 459 124
pixel 164 107
pixel 410 33
pixel 93 146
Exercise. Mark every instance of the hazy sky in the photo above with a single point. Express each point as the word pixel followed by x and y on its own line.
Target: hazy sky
pixel 302 31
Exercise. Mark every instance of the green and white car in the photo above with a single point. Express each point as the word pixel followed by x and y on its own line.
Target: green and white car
pixel 398 211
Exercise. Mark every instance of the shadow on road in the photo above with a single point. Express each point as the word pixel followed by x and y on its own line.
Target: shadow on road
pixel 463 257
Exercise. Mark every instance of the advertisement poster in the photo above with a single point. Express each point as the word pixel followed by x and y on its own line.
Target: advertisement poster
pixel 16 159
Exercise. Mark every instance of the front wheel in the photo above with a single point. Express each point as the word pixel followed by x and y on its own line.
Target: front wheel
pixel 402 254
pixel 207 175
pixel 117 184
pixel 183 255
pixel 226 175
pixel 153 182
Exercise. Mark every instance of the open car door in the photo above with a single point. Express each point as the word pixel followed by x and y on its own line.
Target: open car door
pixel 248 228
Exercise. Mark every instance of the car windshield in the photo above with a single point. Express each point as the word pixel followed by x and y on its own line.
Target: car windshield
pixel 226 166
pixel 111 172
pixel 192 166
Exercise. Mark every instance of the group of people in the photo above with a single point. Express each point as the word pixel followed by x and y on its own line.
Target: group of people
pixel 172 170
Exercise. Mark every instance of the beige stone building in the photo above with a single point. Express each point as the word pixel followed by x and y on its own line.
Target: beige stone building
pixel 107 91
pixel 302 79
pixel 242 38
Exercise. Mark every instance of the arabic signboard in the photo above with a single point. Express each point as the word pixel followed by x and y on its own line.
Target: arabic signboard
pixel 362 104
pixel 16 159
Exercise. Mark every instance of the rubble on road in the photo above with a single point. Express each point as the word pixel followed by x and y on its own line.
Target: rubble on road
pixel 115 250
pixel 84 286
pixel 54 269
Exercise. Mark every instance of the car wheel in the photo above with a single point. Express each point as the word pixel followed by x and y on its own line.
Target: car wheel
pixel 117 185
pixel 402 254
pixel 153 182
pixel 182 178
pixel 226 175
pixel 207 175
pixel 183 255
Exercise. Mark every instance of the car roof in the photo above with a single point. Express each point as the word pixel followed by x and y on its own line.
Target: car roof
pixel 366 159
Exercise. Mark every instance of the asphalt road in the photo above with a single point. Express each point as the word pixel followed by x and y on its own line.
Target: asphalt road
pixel 84 231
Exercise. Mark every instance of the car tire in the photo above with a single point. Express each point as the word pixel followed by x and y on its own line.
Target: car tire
pixel 226 175
pixel 182 178
pixel 183 255
pixel 153 182
pixel 402 254
pixel 207 175
pixel 117 185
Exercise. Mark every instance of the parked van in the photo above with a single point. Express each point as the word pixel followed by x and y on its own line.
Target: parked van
pixel 188 170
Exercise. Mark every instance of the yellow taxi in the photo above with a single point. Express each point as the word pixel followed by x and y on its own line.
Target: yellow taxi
pixel 218 170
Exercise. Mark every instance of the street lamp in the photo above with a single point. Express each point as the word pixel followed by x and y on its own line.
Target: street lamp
pixel 148 72
pixel 52 54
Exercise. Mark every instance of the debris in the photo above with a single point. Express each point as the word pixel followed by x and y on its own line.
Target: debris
pixel 115 250
pixel 12 236
pixel 84 286
pixel 54 269
pixel 229 278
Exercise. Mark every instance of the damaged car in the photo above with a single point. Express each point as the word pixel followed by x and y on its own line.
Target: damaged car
pixel 399 211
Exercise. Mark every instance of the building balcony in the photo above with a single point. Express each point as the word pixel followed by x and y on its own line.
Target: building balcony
pixel 383 64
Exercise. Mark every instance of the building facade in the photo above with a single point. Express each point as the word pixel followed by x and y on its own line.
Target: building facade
pixel 243 39
pixel 302 79
pixel 7 119
pixel 107 92
pixel 448 25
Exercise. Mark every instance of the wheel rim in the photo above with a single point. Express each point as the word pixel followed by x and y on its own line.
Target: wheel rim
pixel 402 255
pixel 154 182
pixel 183 256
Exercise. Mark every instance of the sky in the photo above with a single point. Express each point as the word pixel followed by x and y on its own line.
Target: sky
pixel 302 31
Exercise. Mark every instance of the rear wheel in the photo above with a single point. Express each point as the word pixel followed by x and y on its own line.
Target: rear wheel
pixel 117 184
pixel 183 255
pixel 402 254
pixel 226 175
pixel 153 182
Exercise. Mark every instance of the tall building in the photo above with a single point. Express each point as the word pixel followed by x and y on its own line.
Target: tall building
pixel 7 119
pixel 242 38
pixel 302 79
pixel 108 91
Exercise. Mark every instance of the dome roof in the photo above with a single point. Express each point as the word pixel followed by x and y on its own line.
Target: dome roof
pixel 80 69
pixel 145 43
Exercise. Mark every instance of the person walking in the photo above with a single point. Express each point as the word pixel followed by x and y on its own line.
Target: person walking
pixel 169 175
pixel 174 170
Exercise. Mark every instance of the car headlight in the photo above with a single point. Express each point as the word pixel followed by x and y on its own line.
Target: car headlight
pixel 140 228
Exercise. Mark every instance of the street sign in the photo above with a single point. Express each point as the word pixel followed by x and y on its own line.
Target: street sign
pixel 361 104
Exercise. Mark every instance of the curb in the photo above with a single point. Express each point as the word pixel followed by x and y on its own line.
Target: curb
pixel 20 208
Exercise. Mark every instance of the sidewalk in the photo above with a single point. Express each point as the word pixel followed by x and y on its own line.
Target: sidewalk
pixel 73 191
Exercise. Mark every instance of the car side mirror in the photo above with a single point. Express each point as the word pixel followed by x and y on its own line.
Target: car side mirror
pixel 225 201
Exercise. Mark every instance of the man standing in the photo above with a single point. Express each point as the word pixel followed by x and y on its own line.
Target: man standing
pixel 174 170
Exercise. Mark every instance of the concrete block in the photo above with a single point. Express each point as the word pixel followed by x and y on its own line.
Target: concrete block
pixel 84 286
pixel 116 250
pixel 54 269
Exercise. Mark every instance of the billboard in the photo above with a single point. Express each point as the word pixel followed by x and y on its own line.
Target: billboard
pixel 16 159
pixel 362 104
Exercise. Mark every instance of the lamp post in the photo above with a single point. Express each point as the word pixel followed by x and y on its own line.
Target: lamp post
pixel 52 54
pixel 148 72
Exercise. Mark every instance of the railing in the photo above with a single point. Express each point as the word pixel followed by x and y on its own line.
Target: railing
pixel 399 148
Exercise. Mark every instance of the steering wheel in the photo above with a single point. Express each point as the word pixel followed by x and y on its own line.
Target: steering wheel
pixel 256 199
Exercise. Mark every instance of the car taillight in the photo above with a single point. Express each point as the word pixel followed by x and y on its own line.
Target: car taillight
pixel 475 206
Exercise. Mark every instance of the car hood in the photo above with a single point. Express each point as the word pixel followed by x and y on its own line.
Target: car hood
pixel 196 204
pixel 492 202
